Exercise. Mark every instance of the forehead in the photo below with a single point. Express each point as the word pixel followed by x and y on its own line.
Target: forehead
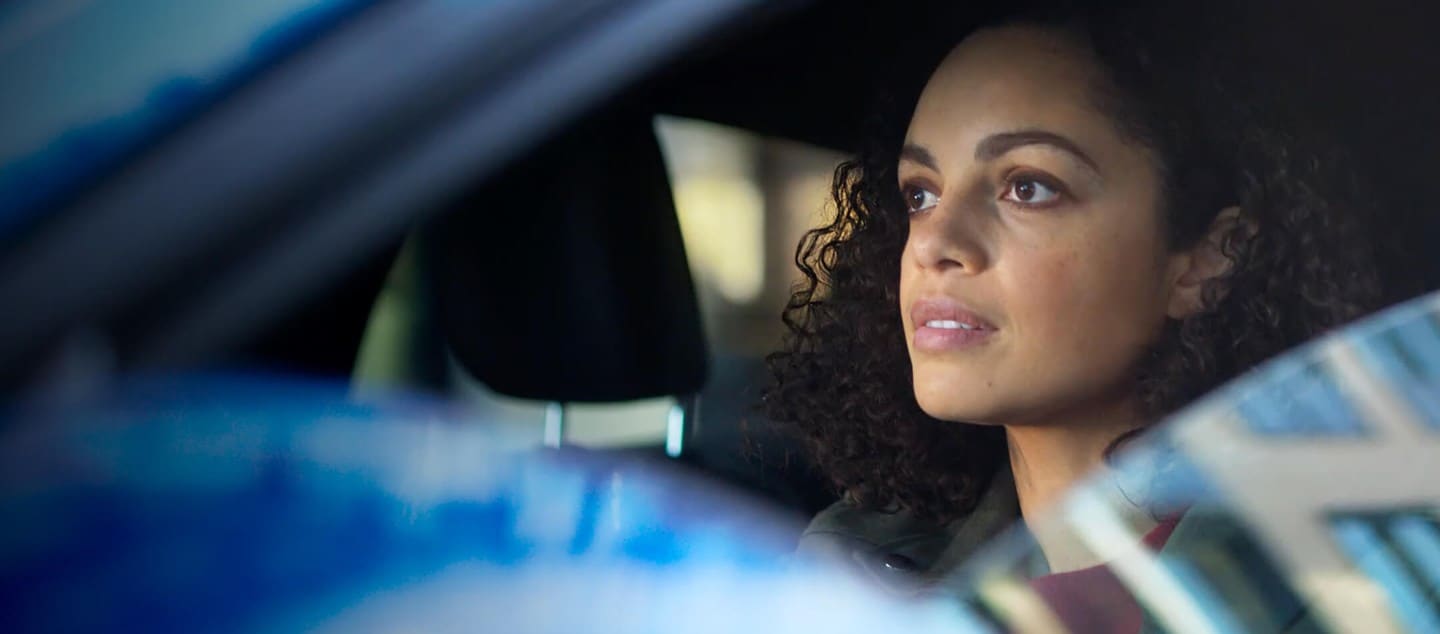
pixel 1008 78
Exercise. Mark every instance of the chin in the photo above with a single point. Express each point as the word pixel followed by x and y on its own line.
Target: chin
pixel 940 398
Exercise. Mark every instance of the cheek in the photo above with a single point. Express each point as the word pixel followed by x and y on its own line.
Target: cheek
pixel 1087 303
pixel 1048 291
pixel 907 280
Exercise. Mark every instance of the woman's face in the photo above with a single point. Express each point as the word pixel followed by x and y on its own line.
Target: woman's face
pixel 1035 273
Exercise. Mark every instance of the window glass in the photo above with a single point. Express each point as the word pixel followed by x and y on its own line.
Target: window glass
pixel 86 83
pixel 1400 551
pixel 1300 398
pixel 1407 357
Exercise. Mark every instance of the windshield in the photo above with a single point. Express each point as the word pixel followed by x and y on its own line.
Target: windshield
pixel 89 83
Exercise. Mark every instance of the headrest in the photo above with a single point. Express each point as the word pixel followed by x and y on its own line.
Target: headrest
pixel 564 278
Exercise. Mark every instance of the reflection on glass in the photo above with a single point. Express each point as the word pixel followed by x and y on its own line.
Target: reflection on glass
pixel 1300 400
pixel 1418 538
pixel 1249 481
pixel 84 84
pixel 1212 575
pixel 1371 541
pixel 1408 356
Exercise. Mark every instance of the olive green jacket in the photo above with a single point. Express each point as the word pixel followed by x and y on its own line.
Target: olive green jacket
pixel 900 552
pixel 905 555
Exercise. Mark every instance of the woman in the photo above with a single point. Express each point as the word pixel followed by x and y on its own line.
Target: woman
pixel 1091 220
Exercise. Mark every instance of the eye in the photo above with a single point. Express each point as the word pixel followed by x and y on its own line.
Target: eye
pixel 918 199
pixel 1028 190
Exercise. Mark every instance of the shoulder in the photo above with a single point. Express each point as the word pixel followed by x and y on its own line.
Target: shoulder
pixel 898 549
pixel 847 523
pixel 890 547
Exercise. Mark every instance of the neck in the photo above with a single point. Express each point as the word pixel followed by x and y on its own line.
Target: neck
pixel 1047 460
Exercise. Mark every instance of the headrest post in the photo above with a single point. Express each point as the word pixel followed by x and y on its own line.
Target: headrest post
pixel 682 423
pixel 554 425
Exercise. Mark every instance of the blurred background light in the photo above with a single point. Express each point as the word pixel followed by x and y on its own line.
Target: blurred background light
pixel 717 197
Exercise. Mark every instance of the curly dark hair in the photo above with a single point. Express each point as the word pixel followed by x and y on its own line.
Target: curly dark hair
pixel 1223 133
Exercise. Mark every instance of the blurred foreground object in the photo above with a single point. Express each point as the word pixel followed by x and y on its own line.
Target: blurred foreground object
pixel 263 505
pixel 1305 492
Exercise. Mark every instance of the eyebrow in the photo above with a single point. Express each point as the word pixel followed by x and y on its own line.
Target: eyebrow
pixel 919 154
pixel 996 145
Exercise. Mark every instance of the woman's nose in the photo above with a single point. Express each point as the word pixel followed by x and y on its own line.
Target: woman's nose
pixel 948 237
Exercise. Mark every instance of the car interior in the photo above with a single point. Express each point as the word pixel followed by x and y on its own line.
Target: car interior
pixel 558 274
pixel 562 277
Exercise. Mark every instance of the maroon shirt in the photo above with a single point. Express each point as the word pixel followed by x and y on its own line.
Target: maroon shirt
pixel 1093 599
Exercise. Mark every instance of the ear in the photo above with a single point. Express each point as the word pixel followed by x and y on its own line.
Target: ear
pixel 1194 268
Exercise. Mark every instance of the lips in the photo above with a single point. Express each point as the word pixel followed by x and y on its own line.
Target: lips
pixel 943 324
